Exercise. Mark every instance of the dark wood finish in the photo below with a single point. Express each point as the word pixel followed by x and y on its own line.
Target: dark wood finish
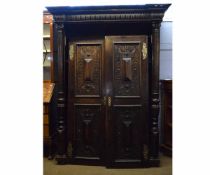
pixel 85 101
pixel 119 13
pixel 61 93
pixel 106 69
pixel 166 115
pixel 154 107
pixel 128 88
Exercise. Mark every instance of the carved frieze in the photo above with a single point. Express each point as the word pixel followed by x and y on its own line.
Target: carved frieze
pixel 109 17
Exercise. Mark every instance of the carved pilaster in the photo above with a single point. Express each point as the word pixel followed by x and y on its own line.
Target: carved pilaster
pixel 154 139
pixel 61 101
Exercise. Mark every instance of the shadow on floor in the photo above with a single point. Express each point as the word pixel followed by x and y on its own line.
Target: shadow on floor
pixel 50 168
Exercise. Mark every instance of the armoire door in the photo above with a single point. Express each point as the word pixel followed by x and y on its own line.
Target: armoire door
pixel 108 100
pixel 126 68
pixel 86 107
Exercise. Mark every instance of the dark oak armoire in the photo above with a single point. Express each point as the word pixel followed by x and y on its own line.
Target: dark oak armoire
pixel 106 74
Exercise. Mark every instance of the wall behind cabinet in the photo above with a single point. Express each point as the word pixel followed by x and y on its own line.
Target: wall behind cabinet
pixel 165 59
pixel 166 50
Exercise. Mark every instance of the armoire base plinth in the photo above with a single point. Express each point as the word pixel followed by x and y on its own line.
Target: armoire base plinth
pixel 61 159
pixel 154 162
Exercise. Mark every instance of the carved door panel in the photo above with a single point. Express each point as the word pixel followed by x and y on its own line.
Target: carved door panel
pixel 108 100
pixel 85 100
pixel 127 92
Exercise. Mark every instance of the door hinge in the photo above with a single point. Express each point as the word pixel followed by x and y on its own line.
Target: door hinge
pixel 144 50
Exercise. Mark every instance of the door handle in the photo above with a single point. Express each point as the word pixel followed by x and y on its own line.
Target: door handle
pixel 109 101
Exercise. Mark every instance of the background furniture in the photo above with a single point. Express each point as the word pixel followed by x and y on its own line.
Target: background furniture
pixel 47 46
pixel 48 92
pixel 47 84
pixel 106 73
pixel 166 115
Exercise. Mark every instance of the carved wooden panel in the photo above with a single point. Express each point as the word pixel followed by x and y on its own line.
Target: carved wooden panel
pixel 127 69
pixel 88 70
pixel 88 130
pixel 127 132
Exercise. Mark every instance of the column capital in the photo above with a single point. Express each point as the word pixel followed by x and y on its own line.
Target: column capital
pixel 156 24
pixel 59 25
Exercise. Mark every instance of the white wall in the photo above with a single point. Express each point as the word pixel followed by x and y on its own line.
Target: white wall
pixel 165 58
pixel 166 50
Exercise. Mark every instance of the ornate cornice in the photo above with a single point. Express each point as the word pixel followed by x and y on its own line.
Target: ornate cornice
pixel 129 17
pixel 137 13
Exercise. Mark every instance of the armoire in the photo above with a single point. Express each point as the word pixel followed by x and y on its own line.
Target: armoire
pixel 106 75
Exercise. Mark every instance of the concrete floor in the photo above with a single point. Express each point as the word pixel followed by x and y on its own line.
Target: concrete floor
pixel 50 168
